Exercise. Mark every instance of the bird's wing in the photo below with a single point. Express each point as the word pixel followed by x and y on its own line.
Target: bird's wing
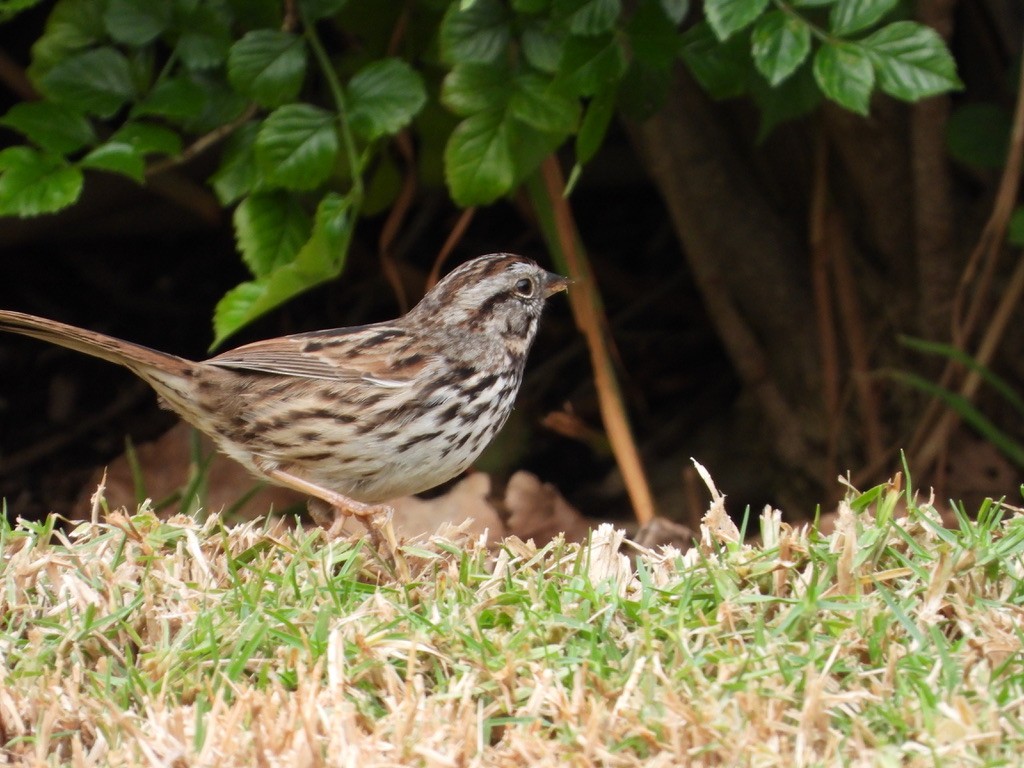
pixel 376 354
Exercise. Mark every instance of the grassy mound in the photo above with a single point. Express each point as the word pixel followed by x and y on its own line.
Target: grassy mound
pixel 131 641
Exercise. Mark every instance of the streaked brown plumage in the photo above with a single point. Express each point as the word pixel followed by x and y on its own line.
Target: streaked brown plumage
pixel 355 416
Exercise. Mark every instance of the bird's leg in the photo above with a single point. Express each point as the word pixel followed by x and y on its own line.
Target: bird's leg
pixel 381 533
pixel 339 501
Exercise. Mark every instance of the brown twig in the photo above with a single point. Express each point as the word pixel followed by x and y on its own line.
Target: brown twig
pixel 449 245
pixel 981 264
pixel 396 216
pixel 569 425
pixel 183 191
pixel 290 18
pixel 829 258
pixel 203 143
pixel 820 249
pixel 398 32
pixel 933 221
pixel 591 320
pixel 936 422
pixel 853 329
pixel 1009 303
pixel 410 183
pixel 13 74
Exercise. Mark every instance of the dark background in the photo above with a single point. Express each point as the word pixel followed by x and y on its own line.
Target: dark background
pixel 679 214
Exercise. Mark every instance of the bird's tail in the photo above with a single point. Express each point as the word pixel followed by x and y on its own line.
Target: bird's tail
pixel 142 360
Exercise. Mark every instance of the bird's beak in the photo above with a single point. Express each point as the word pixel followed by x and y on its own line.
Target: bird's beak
pixel 554 283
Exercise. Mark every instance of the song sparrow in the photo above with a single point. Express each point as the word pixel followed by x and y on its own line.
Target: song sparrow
pixel 355 416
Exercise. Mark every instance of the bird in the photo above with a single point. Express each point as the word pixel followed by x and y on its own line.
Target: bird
pixel 360 415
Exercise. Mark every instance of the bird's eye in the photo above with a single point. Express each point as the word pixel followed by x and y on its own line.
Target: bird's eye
pixel 525 287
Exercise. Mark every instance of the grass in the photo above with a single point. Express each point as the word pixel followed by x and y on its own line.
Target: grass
pixel 893 641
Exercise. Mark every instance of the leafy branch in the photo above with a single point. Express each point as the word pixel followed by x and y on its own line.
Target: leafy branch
pixel 806 49
pixel 488 88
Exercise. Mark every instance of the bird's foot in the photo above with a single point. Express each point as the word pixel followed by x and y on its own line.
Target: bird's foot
pixel 375 517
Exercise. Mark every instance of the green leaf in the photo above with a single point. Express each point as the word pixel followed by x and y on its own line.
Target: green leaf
pixel 137 22
pixel 1003 388
pixel 472 88
pixel 383 98
pixel 844 73
pixel 297 146
pixel 72 26
pixel 34 182
pixel 722 69
pixel 383 186
pixel 268 66
pixel 324 254
pixel 968 412
pixel 978 135
pixel 220 104
pixel 54 127
pixel 478 161
pixel 643 90
pixel 248 301
pixel 676 10
pixel 116 157
pixel 199 50
pixel 177 98
pixel 256 14
pixel 595 124
pixel 96 82
pixel 531 7
pixel 795 97
pixel 320 259
pixel 11 8
pixel 320 9
pixel 206 38
pixel 849 16
pixel 911 61
pixel 728 17
pixel 529 146
pixel 476 33
pixel 541 47
pixel 270 227
pixel 433 127
pixel 591 64
pixel 653 37
pixel 149 139
pixel 779 43
pixel 238 174
pixel 589 17
pixel 537 104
